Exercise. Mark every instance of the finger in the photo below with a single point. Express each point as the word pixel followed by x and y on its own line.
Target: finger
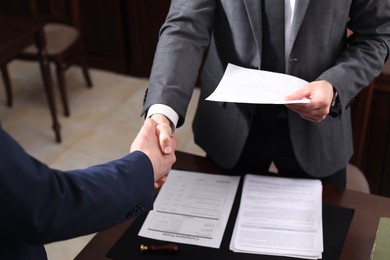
pixel 160 182
pixel 165 144
pixel 300 106
pixel 299 94
pixel 149 123
pixel 163 132
pixel 174 143
pixel 314 118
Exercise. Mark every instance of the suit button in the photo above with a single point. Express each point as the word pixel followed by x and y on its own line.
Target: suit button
pixel 130 214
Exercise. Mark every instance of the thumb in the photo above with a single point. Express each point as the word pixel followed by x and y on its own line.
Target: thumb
pixel 297 95
pixel 165 143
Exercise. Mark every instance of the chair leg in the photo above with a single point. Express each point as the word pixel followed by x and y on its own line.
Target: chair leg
pixel 7 84
pixel 47 82
pixel 84 67
pixel 62 87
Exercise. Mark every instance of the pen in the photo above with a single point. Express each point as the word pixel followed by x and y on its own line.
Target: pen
pixel 168 248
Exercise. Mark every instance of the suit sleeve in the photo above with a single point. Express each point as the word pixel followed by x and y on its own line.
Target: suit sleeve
pixel 368 49
pixel 41 205
pixel 182 41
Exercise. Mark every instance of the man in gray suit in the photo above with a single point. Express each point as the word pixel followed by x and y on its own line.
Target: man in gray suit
pixel 305 140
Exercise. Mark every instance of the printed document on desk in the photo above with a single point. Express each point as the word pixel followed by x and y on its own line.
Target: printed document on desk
pixel 192 208
pixel 279 216
pixel 242 85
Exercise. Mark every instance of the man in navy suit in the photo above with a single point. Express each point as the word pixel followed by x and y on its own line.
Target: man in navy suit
pixel 40 205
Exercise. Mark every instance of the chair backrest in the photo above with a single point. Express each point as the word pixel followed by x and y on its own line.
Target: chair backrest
pixel 64 11
pixel 356 179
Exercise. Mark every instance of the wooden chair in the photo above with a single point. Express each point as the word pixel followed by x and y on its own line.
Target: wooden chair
pixel 16 35
pixel 356 179
pixel 64 46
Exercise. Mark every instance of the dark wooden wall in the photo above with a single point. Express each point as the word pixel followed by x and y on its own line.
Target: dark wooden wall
pixel 375 161
pixel 118 35
pixel 121 35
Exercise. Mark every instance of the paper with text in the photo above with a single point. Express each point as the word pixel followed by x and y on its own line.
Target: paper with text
pixel 192 208
pixel 241 85
pixel 279 216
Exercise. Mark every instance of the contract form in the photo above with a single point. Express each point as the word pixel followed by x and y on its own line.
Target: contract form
pixel 241 85
pixel 192 208
pixel 279 216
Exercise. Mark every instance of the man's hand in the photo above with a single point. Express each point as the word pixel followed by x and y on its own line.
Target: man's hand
pixel 164 133
pixel 147 141
pixel 320 94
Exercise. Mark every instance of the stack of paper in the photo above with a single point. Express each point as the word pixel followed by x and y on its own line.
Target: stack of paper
pixel 192 208
pixel 279 216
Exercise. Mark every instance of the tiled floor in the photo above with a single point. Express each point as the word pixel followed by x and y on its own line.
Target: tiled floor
pixel 104 120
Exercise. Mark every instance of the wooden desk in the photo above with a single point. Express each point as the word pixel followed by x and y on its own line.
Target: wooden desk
pixel 358 244
pixel 17 34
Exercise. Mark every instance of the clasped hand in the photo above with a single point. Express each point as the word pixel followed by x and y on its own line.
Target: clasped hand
pixel 320 94
pixel 150 138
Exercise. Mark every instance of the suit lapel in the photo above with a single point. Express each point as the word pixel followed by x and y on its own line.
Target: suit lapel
pixel 300 12
pixel 253 10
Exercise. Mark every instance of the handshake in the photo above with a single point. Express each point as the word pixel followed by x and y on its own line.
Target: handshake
pixel 156 141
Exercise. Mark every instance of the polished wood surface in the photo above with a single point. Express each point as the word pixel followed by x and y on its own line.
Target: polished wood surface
pixel 359 241
pixel 16 34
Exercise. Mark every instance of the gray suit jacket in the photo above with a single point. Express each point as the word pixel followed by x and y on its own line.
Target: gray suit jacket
pixel 230 31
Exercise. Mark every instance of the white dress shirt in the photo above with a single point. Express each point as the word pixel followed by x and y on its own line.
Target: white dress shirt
pixel 289 7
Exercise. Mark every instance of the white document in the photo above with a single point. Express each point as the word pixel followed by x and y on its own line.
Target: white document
pixel 241 85
pixel 192 208
pixel 279 216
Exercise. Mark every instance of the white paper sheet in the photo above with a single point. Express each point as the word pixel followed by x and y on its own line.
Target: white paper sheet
pixel 192 208
pixel 279 216
pixel 241 85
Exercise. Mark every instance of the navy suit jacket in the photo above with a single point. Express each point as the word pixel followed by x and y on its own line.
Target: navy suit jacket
pixel 230 31
pixel 41 205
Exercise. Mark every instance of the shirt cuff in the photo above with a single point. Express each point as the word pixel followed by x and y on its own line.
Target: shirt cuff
pixel 166 111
